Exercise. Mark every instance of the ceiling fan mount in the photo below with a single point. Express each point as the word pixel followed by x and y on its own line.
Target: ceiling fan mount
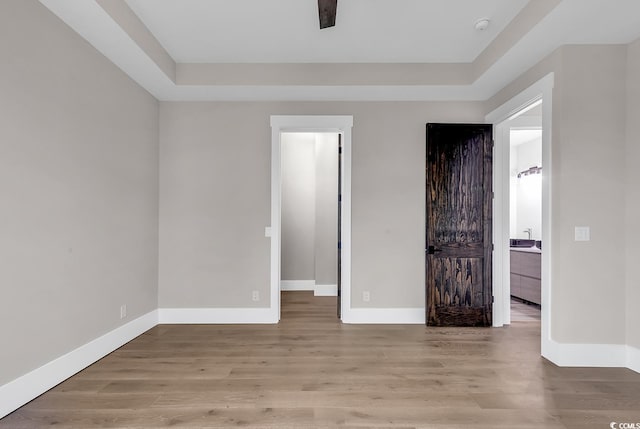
pixel 327 13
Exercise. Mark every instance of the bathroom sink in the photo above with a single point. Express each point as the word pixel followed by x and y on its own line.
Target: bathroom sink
pixel 522 242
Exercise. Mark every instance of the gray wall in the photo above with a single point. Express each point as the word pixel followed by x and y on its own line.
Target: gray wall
pixel 309 207
pixel 214 204
pixel 588 156
pixel 215 198
pixel 632 231
pixel 298 208
pixel 527 190
pixel 78 179
pixel 326 237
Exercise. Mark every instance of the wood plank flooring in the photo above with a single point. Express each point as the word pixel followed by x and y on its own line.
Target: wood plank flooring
pixel 311 371
pixel 524 312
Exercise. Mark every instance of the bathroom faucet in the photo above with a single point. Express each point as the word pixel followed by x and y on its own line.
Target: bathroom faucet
pixel 528 231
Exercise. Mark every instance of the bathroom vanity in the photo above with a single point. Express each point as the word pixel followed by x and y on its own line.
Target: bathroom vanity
pixel 526 273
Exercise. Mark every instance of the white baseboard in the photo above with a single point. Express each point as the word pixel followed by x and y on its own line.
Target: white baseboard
pixel 589 355
pixel 325 290
pixel 18 392
pixel 633 358
pixel 592 355
pixel 293 285
pixel 385 316
pixel 217 315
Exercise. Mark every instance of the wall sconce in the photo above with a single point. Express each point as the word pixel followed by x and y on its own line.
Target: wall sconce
pixel 532 170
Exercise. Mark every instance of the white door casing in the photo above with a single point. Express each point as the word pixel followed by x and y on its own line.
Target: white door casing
pixel 541 90
pixel 312 124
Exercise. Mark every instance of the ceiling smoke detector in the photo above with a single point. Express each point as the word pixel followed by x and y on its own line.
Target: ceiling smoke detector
pixel 482 24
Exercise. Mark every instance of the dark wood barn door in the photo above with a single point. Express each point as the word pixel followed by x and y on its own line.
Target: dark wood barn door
pixel 458 225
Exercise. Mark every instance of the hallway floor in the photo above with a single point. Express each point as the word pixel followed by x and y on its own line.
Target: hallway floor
pixel 521 312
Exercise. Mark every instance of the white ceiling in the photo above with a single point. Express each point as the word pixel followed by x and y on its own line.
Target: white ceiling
pixel 231 31
pixel 152 40
pixel 521 136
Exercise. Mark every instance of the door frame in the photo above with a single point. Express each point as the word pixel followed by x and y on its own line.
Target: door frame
pixel 541 90
pixel 309 124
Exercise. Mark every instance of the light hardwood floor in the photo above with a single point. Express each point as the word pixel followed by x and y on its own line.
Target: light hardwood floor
pixel 522 312
pixel 310 371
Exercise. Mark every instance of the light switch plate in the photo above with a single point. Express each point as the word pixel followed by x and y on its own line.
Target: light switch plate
pixel 582 233
pixel 267 231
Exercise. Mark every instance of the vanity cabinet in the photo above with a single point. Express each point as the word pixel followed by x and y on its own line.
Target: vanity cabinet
pixel 526 274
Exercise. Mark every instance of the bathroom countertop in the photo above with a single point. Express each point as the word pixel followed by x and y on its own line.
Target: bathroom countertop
pixel 526 249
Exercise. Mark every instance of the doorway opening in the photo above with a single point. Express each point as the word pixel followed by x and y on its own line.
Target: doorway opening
pixel 535 101
pixel 525 212
pixel 290 216
pixel 309 219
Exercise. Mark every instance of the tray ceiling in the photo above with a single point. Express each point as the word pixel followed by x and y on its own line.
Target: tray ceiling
pixel 378 50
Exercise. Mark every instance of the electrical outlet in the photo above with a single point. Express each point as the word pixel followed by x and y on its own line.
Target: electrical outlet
pixel 366 296
pixel 255 296
pixel 123 311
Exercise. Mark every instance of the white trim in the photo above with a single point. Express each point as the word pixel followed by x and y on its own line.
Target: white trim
pixel 501 256
pixel 593 355
pixel 501 217
pixel 386 316
pixel 633 358
pixel 276 182
pixel 293 285
pixel 18 392
pixel 521 101
pixel 587 355
pixel 541 89
pixel 301 123
pixel 216 316
pixel 325 290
